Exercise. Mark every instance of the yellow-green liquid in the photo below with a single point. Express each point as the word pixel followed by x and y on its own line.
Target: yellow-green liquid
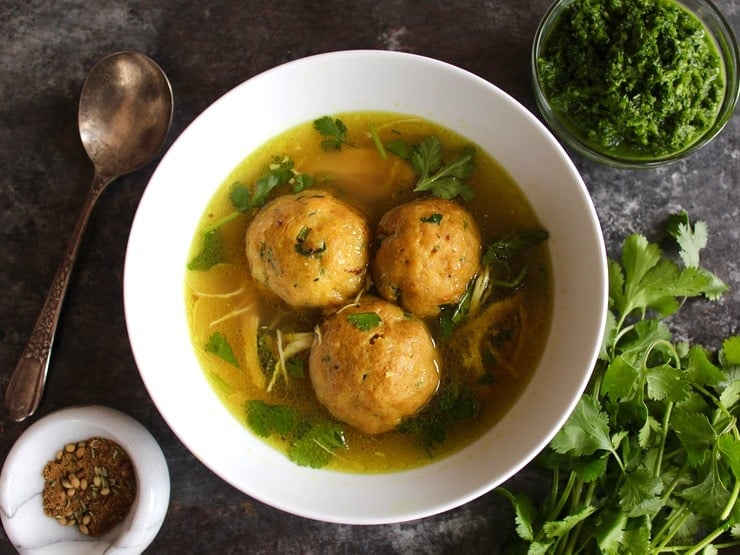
pixel 359 175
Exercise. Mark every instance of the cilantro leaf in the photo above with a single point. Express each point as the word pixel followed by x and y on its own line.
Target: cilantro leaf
pixel 443 180
pixel 586 430
pixel 730 448
pixel 211 253
pixel 557 529
pixel 525 513
pixel 309 443
pixel 730 353
pixel 218 345
pixel 666 382
pixel 334 129
pixel 400 148
pixel 695 433
pixel 454 403
pixel 435 218
pixel 265 419
pixel 709 497
pixel 651 281
pixel 302 246
pixel 639 489
pixel 512 246
pixel 315 447
pixel 364 321
pixel 700 369
pixel 621 379
pixel 691 241
pixel 240 197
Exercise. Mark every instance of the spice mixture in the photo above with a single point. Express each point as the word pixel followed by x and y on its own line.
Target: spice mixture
pixel 89 484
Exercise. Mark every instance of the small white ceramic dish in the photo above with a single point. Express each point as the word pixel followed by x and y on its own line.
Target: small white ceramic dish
pixel 21 484
pixel 301 91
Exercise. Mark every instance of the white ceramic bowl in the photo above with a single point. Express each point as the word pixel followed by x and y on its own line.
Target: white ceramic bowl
pixel 21 484
pixel 297 92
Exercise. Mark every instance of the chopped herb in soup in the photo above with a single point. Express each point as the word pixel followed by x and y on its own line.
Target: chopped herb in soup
pixel 640 78
pixel 368 292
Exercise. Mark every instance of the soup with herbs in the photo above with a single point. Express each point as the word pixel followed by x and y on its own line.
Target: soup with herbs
pixel 368 292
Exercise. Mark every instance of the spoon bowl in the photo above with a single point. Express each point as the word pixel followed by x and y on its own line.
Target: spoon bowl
pixel 125 112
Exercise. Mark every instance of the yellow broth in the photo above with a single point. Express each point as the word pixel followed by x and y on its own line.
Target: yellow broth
pixel 222 298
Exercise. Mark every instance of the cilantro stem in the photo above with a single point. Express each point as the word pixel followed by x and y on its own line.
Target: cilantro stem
pixel 564 497
pixel 378 143
pixel 223 221
pixel 676 480
pixel 551 513
pixel 669 529
pixel 574 534
pixel 663 439
pixel 717 532
pixel 731 503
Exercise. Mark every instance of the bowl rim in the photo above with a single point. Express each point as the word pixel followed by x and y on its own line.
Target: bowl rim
pixel 729 53
pixel 392 497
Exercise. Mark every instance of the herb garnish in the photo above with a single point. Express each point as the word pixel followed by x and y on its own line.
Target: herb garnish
pixel 218 345
pixel 211 252
pixel 443 179
pixel 454 403
pixel 435 218
pixel 302 248
pixel 334 129
pixel 649 461
pixel 364 321
pixel 310 442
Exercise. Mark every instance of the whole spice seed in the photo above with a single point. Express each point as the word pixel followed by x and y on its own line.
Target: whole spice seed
pixel 89 484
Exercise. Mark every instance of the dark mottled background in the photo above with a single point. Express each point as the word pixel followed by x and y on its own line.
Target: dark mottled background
pixel 208 47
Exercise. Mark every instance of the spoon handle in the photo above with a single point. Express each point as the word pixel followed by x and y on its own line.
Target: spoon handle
pixel 26 385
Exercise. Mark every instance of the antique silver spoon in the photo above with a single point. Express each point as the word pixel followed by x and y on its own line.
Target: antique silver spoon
pixel 124 115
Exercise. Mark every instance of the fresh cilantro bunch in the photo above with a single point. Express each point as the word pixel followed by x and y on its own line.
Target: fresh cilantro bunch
pixel 649 461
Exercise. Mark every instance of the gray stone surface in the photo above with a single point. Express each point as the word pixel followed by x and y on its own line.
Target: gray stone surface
pixel 208 47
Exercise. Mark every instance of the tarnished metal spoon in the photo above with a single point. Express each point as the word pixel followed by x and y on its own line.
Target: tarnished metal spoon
pixel 124 115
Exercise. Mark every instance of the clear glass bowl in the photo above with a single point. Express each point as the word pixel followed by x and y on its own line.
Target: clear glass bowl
pixel 727 47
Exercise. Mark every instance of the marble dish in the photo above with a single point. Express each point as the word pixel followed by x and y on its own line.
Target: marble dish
pixel 21 484
pixel 300 91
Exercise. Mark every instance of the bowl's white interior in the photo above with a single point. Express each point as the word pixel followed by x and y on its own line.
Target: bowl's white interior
pixel 300 91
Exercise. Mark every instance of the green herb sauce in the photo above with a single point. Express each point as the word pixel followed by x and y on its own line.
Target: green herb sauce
pixel 639 78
